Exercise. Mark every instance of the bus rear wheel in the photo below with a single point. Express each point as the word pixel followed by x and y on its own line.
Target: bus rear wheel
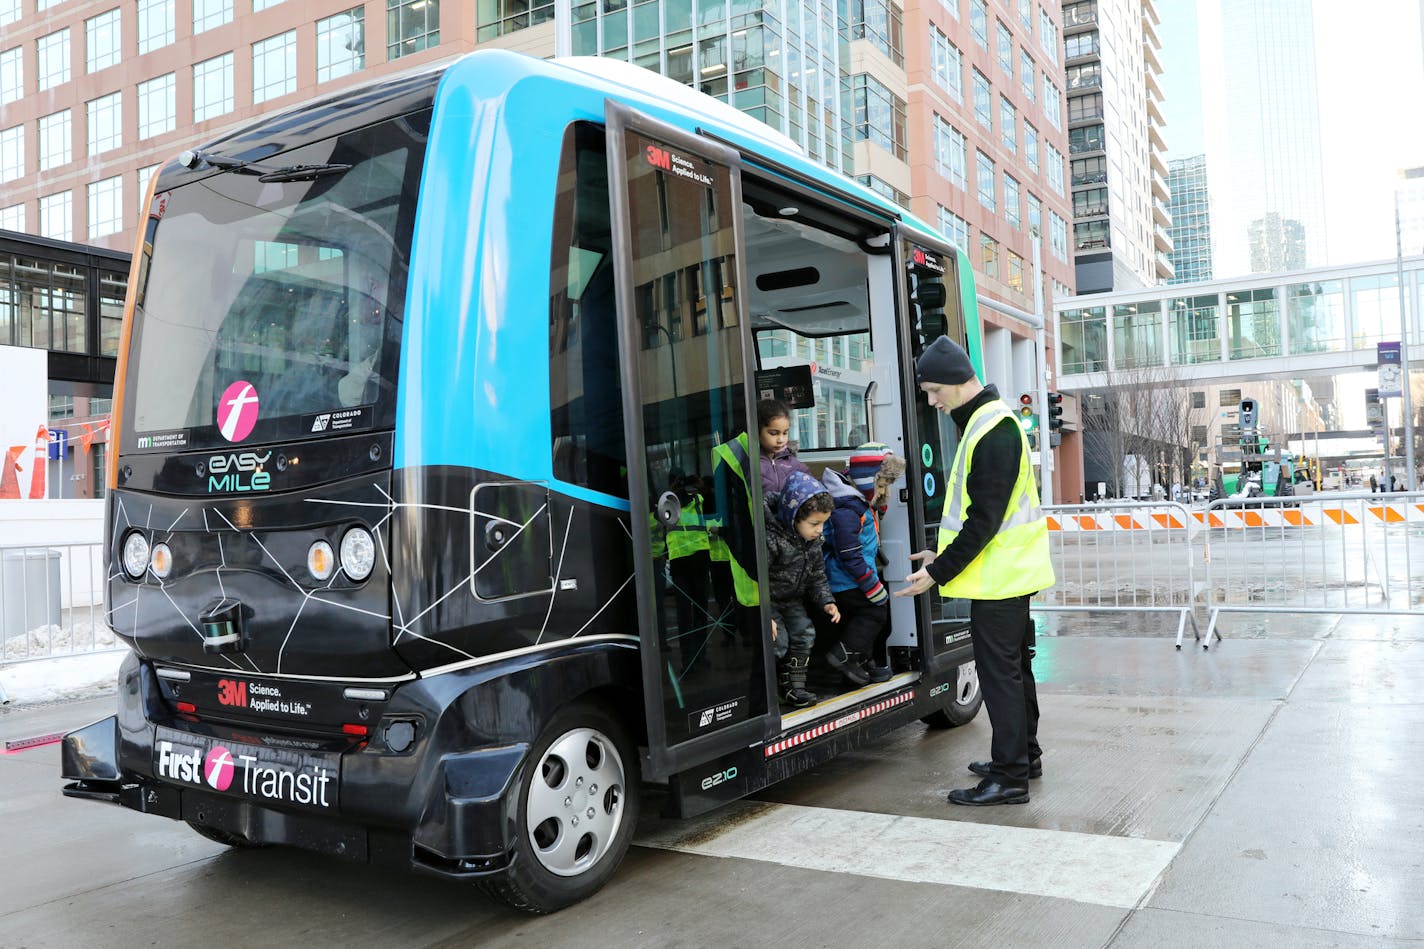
pixel 961 703
pixel 578 808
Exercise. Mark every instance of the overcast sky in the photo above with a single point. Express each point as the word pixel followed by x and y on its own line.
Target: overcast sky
pixel 1370 76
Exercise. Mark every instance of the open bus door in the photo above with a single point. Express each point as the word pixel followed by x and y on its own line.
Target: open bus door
pixel 687 395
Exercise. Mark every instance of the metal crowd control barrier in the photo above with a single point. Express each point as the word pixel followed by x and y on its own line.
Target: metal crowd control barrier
pixel 1331 553
pixel 1124 556
pixel 52 602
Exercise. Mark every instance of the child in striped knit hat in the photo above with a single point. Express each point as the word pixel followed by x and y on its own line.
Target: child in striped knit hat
pixel 852 542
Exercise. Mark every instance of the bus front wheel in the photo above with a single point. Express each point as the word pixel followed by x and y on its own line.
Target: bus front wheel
pixel 578 808
pixel 961 702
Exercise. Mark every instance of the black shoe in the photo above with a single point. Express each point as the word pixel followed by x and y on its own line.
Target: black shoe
pixel 985 769
pixel 989 792
pixel 878 673
pixel 843 661
pixel 799 698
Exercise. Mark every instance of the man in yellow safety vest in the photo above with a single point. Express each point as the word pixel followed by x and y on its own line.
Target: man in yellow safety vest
pixel 993 551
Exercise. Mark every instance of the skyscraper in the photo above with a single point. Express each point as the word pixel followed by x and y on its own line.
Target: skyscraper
pixel 1191 220
pixel 1262 126
pixel 1115 125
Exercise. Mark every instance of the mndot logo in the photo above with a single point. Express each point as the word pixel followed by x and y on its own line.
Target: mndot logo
pixel 237 411
pixel 219 768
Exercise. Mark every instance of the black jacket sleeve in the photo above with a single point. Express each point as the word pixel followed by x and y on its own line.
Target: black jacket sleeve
pixel 992 473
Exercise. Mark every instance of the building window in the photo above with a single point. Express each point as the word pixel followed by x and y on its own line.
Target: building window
pixel 501 17
pixel 885 189
pixel 1005 41
pixel 1013 209
pixel 979 22
pixel 948 64
pixel 9 13
pixel 1083 339
pixel 954 227
pixel 880 116
pixel 57 216
pixel 1090 202
pixel 984 180
pixel 1057 236
pixel 12 153
pixel 274 66
pixel 12 218
pixel 411 26
pixel 101 41
pixel 1048 35
pixel 1009 125
pixel 1053 159
pixel 983 100
pixel 1253 323
pixel 951 154
pixel 1016 271
pixel 1137 335
pixel 989 256
pixel 156 26
pixel 1375 305
pixel 208 14
pixel 1085 108
pixel 157 106
pixel 341 44
pixel 882 24
pixel 1030 147
pixel 1315 314
pixel 260 5
pixel 1085 76
pixel 106 207
pixel 53 54
pixel 1052 103
pixel 1035 216
pixel 141 179
pixel 212 87
pixel 1088 138
pixel 1090 171
pixel 55 138
pixel 1091 235
pixel 104 123
pixel 12 75
pixel 1027 76
pixel 1082 13
pixel 1081 44
pixel 1193 333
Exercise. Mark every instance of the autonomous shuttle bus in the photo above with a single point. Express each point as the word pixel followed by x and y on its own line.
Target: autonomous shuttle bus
pixel 433 522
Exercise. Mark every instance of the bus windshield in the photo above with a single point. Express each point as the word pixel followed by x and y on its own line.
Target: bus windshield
pixel 272 310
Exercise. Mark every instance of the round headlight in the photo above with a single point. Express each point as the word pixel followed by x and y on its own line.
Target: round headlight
pixel 358 553
pixel 135 555
pixel 161 561
pixel 321 560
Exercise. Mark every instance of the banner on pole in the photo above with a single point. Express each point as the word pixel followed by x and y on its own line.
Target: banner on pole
pixel 1390 378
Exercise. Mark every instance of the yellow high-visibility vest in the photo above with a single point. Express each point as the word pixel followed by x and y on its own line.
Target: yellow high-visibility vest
pixel 737 458
pixel 1016 560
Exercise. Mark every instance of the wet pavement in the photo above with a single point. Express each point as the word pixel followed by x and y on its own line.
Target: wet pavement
pixel 1253 794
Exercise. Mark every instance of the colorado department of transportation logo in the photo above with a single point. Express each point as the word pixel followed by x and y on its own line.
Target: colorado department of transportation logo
pixel 237 411
pixel 218 768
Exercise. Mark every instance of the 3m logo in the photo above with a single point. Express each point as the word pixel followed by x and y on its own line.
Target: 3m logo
pixel 320 423
pixel 232 692
pixel 659 158
pixel 706 718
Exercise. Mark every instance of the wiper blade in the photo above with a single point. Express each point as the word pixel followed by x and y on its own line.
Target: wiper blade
pixel 303 172
pixel 196 160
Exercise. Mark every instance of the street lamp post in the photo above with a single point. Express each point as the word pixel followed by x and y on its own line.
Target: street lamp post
pixel 1410 480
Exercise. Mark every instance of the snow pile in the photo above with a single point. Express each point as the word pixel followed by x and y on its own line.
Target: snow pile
pixel 54 663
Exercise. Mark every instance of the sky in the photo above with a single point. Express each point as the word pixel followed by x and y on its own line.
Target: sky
pixel 1370 76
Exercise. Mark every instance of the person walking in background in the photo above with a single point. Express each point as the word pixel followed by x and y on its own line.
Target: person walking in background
pixel 993 551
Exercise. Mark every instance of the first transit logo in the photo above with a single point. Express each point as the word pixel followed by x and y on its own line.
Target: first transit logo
pixel 237 411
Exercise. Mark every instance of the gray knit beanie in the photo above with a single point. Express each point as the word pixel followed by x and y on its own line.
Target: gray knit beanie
pixel 944 362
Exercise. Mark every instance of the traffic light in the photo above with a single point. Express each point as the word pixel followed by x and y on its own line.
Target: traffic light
pixel 1028 421
pixel 1055 411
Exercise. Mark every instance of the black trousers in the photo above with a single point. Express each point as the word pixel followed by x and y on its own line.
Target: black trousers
pixel 861 621
pixel 1003 637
